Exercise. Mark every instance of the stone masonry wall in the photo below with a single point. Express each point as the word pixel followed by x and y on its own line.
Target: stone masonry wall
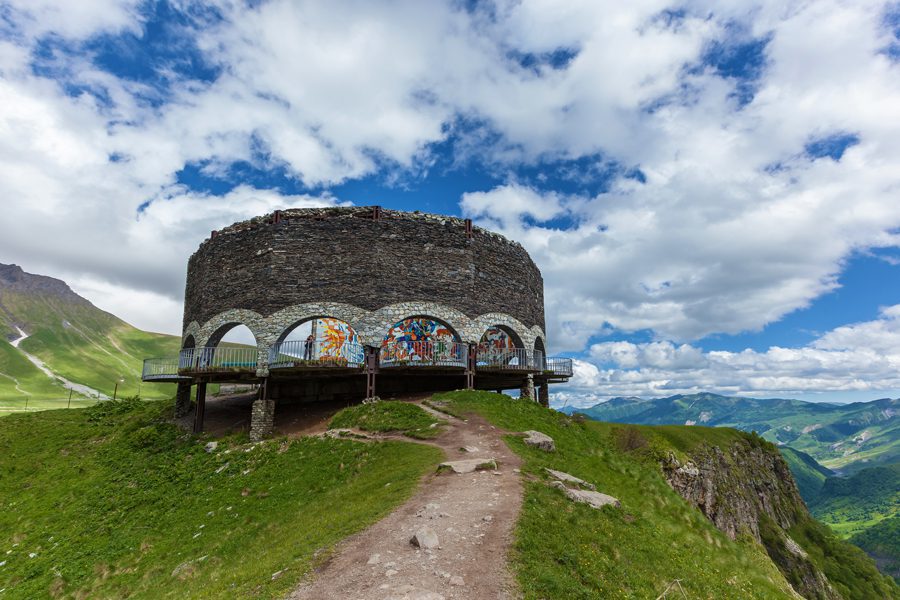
pixel 344 256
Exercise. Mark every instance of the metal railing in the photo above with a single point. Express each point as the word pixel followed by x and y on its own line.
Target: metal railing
pixel 160 369
pixel 423 354
pixel 515 359
pixel 217 360
pixel 300 353
pixel 561 367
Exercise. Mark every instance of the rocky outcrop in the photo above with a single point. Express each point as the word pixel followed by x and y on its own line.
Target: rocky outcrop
pixel 539 440
pixel 748 489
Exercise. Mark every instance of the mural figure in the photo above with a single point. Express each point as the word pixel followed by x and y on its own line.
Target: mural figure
pixel 420 339
pixel 495 346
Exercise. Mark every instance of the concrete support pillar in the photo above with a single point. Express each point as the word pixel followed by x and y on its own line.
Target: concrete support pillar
pixel 183 399
pixel 201 407
pixel 544 394
pixel 527 391
pixel 262 415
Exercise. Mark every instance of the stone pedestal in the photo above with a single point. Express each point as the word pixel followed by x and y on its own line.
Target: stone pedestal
pixel 183 400
pixel 544 395
pixel 262 419
pixel 527 391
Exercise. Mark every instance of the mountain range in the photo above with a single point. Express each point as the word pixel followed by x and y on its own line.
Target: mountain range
pixel 845 458
pixel 58 343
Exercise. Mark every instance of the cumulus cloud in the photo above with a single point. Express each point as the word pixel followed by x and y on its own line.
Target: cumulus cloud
pixel 728 202
pixel 861 357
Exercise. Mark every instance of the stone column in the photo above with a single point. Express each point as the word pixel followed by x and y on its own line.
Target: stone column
pixel 262 419
pixel 527 391
pixel 544 395
pixel 262 414
pixel 200 412
pixel 183 399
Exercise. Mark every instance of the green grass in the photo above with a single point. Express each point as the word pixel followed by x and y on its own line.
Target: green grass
pixel 564 550
pixel 388 416
pixel 882 541
pixel 809 474
pixel 112 500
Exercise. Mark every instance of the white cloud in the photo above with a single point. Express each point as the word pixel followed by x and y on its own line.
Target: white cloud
pixel 863 357
pixel 711 242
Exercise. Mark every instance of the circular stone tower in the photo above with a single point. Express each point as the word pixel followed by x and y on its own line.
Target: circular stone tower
pixel 426 302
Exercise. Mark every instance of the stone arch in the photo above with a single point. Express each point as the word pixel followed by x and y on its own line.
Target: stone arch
pixel 513 336
pixel 192 330
pixel 481 324
pixel 539 344
pixel 280 324
pixel 215 329
pixel 378 323
pixel 189 341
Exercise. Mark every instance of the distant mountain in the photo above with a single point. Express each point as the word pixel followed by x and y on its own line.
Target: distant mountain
pixel 845 458
pixel 809 475
pixel 842 437
pixel 74 340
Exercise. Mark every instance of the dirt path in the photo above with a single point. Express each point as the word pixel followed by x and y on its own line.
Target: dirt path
pixel 472 514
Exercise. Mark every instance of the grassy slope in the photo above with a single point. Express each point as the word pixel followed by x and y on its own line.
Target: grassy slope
pixel 809 475
pixel 14 367
pixel 87 345
pixel 387 416
pixel 563 550
pixel 851 504
pixel 882 541
pixel 112 500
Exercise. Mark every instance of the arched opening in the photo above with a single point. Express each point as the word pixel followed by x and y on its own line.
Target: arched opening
pixel 500 346
pixel 232 347
pixel 189 342
pixel 318 340
pixel 540 352
pixel 422 340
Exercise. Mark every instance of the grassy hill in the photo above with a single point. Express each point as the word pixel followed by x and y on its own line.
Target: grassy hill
pixel 75 340
pixel 841 437
pixel 809 475
pixel 113 501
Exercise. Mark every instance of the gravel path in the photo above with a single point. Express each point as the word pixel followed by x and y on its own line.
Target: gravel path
pixel 472 514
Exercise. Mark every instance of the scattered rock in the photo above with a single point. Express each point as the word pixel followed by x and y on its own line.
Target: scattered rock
pixel 566 478
pixel 390 572
pixel 425 538
pixel 468 466
pixel 185 570
pixel 374 559
pixel 540 441
pixel 211 446
pixel 277 574
pixel 469 449
pixel 457 580
pixel 222 468
pixel 487 518
pixel 594 499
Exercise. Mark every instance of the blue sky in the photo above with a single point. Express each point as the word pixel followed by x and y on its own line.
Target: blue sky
pixel 708 187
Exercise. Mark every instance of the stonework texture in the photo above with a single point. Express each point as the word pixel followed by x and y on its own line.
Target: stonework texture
pixel 182 400
pixel 262 419
pixel 343 263
pixel 527 391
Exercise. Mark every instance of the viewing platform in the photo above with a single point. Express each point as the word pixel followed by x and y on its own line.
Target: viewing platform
pixel 300 358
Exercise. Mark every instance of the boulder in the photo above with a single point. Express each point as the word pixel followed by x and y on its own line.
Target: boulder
pixel 539 440
pixel 425 538
pixel 591 498
pixel 566 478
pixel 468 466
pixel 211 446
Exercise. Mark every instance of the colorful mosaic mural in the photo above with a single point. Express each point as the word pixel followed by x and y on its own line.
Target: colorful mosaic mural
pixel 335 338
pixel 420 339
pixel 495 345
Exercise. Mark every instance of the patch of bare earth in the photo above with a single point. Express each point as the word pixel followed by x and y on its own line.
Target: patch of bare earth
pixel 472 514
